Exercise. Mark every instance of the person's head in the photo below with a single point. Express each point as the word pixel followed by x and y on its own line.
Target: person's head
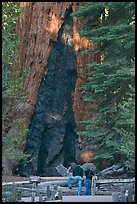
pixel 73 165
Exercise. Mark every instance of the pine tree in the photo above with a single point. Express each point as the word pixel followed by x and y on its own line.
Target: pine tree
pixel 111 84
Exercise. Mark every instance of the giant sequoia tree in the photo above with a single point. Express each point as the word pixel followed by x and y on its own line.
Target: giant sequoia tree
pixel 47 101
pixel 111 83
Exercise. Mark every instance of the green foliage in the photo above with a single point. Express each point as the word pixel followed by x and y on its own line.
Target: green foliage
pixel 14 142
pixel 11 193
pixel 10 41
pixel 10 12
pixel 111 83
pixel 14 87
pixel 12 82
pixel 125 128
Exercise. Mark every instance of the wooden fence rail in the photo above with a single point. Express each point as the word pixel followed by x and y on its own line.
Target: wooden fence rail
pixel 62 181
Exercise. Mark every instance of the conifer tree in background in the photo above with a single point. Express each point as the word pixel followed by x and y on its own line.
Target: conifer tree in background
pixel 10 41
pixel 111 83
pixel 12 83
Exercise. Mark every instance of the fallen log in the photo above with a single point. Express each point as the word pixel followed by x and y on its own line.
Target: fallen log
pixel 63 171
pixel 105 181
pixel 116 168
pixel 15 182
pixel 58 178
pixel 41 180
pixel 58 183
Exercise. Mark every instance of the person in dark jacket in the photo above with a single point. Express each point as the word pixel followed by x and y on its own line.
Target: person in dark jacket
pixel 77 174
pixel 88 180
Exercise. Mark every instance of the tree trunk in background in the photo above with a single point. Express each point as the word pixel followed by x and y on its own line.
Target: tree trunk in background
pixel 54 106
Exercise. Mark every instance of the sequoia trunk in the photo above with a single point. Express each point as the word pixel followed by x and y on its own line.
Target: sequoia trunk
pixel 54 106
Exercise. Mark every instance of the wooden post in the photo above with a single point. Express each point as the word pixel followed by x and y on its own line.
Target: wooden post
pixel 115 197
pixel 40 197
pixel 123 197
pixel 127 195
pixel 55 193
pixel 130 195
pixel 34 180
pixel 33 192
pixel 93 187
pixel 48 192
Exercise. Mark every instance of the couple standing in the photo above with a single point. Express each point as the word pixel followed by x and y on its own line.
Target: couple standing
pixel 77 176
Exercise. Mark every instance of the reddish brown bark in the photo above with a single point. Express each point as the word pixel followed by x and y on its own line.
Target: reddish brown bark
pixel 40 23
